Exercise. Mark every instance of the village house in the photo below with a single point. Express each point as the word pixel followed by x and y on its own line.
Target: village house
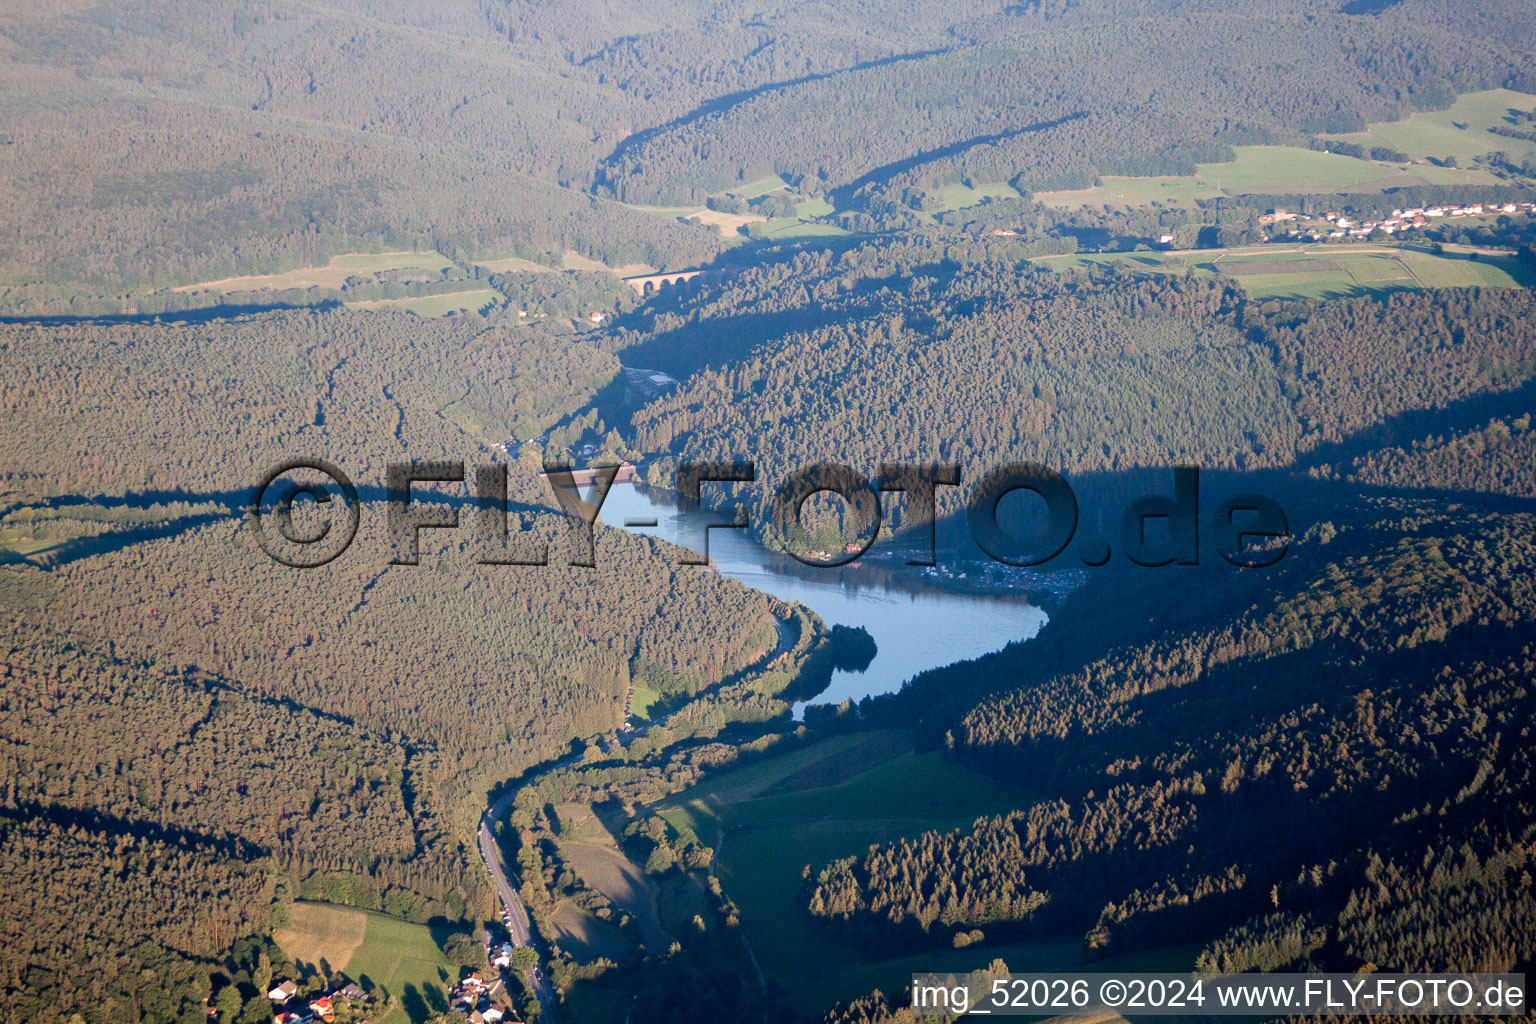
pixel 283 991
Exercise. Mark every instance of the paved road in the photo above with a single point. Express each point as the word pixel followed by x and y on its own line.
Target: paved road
pixel 516 915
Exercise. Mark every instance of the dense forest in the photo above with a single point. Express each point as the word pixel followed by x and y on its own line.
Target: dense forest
pixel 203 409
pixel 921 350
pixel 169 687
pixel 1327 770
pixel 1324 765
pixel 156 145
pixel 1025 98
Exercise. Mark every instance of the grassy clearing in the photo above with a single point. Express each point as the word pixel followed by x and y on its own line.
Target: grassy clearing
pixel 642 699
pixel 585 936
pixel 803 224
pixel 379 952
pixel 1291 168
pixel 667 212
pixel 728 222
pixel 331 276
pixel 1132 192
pixel 573 260
pixel 322 935
pixel 590 849
pixel 829 800
pixel 958 197
pixel 1461 131
pixel 516 264
pixel 812 208
pixel 1458 271
pixel 591 1003
pixel 760 187
pixel 1354 274
pixel 436 305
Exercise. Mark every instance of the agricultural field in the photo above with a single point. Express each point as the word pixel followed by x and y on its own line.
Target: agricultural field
pixel 1460 131
pixel 729 223
pixel 331 276
pixel 378 952
pixel 321 935
pixel 1264 169
pixel 595 1004
pixel 1167 190
pixel 810 209
pixel 436 305
pixel 828 800
pixel 1321 271
pixel 1290 169
pixel 590 849
pixel 806 222
pixel 760 187
pixel 573 260
pixel 516 264
pixel 666 212
pixel 1346 274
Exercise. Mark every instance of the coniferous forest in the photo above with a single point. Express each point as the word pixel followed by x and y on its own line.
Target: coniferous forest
pixel 500 237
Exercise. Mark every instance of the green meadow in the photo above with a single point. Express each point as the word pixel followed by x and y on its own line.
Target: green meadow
pixel 1320 271
pixel 437 305
pixel 833 799
pixel 1258 170
pixel 642 699
pixel 333 275
pixel 1460 131
pixel 958 197
pixel 760 187
pixel 381 953
pixel 784 228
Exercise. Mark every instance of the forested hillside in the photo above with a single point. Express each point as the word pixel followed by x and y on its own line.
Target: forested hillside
pixel 1026 98
pixel 1319 765
pixel 234 234
pixel 1327 770
pixel 168 687
pixel 204 409
pixel 152 145
pixel 919 350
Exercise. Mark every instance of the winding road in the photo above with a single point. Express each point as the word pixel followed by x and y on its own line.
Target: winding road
pixel 514 914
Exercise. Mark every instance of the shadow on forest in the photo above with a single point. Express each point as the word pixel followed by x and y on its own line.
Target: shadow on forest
pixel 694 346
pixel 841 196
pixel 236 504
pixel 720 104
pixel 97 821
pixel 201 314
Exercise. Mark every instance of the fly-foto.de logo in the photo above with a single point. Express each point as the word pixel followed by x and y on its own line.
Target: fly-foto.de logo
pixel 1246 530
